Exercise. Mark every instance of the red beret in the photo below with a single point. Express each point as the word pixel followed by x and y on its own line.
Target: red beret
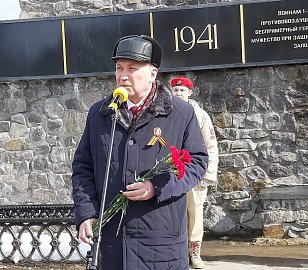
pixel 182 81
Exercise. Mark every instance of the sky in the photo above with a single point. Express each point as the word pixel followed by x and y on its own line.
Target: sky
pixel 9 9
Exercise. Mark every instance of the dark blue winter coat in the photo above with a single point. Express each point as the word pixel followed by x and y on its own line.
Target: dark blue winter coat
pixel 153 233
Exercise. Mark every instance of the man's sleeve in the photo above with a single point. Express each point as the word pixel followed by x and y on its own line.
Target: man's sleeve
pixel 209 136
pixel 167 185
pixel 84 192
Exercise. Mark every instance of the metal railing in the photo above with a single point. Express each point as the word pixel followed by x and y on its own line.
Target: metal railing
pixel 45 233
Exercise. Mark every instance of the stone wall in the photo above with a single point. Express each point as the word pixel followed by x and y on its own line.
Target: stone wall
pixel 261 121
pixel 260 115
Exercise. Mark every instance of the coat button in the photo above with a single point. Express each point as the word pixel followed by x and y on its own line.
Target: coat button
pixel 131 142
pixel 127 173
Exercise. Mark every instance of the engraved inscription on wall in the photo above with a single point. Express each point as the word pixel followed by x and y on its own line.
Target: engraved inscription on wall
pixel 280 31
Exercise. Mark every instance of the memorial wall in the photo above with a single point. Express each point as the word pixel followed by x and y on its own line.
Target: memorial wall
pixel 248 64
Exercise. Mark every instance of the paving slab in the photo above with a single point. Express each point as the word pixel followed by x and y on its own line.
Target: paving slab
pixel 237 255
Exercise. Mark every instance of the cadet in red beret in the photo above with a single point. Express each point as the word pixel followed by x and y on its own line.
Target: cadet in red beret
pixel 182 88
pixel 182 81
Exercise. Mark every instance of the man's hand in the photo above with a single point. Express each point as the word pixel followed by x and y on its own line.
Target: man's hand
pixel 85 233
pixel 140 191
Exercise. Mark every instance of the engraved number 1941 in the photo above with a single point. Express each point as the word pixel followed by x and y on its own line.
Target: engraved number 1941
pixel 208 35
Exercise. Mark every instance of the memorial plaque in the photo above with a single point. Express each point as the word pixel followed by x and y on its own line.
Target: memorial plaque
pixel 198 37
pixel 276 31
pixel 192 38
pixel 90 41
pixel 31 49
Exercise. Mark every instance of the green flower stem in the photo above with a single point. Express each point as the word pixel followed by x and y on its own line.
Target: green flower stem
pixel 120 202
pixel 159 168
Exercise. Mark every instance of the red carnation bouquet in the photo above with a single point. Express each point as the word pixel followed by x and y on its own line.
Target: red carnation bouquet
pixel 174 162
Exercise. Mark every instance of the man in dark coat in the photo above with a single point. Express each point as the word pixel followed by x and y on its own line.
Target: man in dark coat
pixel 153 233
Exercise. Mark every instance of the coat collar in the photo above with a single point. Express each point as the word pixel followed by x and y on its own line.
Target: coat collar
pixel 161 105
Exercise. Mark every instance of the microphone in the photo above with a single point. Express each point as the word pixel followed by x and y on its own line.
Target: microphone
pixel 120 95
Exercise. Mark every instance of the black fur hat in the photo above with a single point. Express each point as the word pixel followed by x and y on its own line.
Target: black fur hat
pixel 140 48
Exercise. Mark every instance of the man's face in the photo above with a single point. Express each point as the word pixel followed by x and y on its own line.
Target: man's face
pixel 181 92
pixel 136 77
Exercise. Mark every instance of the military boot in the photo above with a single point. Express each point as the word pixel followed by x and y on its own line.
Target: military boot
pixel 194 255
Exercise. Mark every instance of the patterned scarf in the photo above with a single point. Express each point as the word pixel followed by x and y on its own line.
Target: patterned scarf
pixel 137 110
